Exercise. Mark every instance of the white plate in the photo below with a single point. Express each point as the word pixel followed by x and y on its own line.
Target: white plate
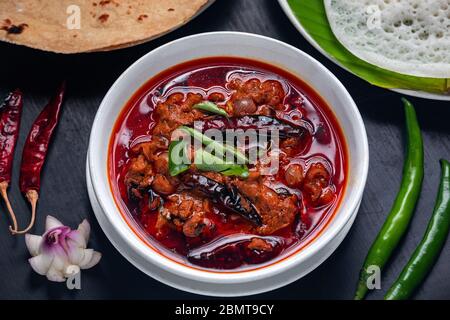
pixel 291 15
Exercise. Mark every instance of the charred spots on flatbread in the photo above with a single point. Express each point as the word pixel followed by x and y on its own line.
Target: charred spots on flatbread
pixel 103 3
pixel 11 28
pixel 103 17
pixel 142 17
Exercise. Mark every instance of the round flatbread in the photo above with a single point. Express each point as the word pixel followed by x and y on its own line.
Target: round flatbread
pixel 406 36
pixel 72 26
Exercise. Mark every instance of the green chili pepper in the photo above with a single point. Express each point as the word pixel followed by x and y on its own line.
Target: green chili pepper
pixel 220 149
pixel 401 213
pixel 210 107
pixel 429 248
pixel 205 161
pixel 178 160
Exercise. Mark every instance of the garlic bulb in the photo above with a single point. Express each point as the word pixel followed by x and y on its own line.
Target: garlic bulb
pixel 61 252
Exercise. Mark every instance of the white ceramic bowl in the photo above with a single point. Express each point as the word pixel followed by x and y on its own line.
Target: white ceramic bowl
pixel 245 45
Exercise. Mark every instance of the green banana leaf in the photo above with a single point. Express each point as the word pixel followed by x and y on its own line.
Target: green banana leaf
pixel 312 16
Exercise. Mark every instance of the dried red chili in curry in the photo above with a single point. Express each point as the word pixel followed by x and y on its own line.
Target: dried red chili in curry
pixel 201 216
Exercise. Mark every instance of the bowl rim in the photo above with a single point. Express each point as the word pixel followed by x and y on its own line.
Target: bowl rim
pixel 327 235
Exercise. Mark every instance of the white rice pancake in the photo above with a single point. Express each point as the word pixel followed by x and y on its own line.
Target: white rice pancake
pixel 407 36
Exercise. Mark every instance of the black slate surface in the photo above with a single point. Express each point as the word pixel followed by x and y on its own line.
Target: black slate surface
pixel 64 193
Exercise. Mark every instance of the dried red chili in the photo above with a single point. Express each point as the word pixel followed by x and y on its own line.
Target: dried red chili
pixel 10 115
pixel 35 151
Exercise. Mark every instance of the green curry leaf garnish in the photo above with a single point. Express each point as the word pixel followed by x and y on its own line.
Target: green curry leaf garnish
pixel 210 107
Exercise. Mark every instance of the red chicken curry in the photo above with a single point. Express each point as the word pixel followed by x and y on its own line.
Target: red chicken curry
pixel 227 219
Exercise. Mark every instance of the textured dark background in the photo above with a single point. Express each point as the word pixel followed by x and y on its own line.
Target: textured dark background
pixel 64 193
